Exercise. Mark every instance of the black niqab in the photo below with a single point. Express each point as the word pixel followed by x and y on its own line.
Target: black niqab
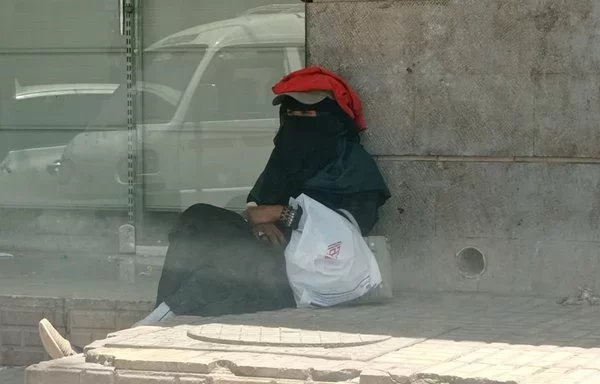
pixel 319 153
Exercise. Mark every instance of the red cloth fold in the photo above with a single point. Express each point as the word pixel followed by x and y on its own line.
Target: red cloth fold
pixel 319 79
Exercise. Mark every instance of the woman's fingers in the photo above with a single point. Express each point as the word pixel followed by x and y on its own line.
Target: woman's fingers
pixel 276 237
pixel 273 238
pixel 280 236
pixel 260 233
pixel 270 233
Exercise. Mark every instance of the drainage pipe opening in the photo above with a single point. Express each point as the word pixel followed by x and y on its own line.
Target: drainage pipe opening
pixel 471 262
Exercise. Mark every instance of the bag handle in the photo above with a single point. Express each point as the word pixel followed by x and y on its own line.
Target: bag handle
pixel 350 218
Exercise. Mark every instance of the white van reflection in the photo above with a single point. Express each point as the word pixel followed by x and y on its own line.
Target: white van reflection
pixel 33 134
pixel 205 122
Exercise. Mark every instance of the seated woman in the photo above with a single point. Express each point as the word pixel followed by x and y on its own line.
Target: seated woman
pixel 220 262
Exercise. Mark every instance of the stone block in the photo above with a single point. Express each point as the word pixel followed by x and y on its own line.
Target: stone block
pixel 30 302
pixel 489 78
pixel 31 337
pixel 142 306
pixel 36 375
pixel 10 336
pixel 524 218
pixel 567 36
pixel 94 319
pixel 567 110
pixel 421 96
pixel 472 115
pixel 97 377
pixel 141 377
pixel 410 213
pixel 21 356
pixel 24 316
pixel 193 380
pixel 91 304
pixel 560 267
pixel 125 319
pixel 557 202
pixel 81 337
pixel 434 36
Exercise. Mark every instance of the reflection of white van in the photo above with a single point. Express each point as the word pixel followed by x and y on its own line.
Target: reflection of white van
pixel 42 115
pixel 207 122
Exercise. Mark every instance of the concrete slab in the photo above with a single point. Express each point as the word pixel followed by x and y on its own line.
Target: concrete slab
pixel 456 77
pixel 567 107
pixel 537 225
pixel 477 339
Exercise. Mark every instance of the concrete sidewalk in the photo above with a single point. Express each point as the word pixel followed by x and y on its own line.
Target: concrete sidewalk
pixel 12 375
pixel 445 338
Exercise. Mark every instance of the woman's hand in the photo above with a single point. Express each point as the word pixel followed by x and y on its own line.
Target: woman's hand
pixel 269 232
pixel 264 214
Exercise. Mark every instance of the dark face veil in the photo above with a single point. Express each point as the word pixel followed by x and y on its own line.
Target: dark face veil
pixel 304 145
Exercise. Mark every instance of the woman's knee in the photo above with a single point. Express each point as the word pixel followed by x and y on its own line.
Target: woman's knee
pixel 200 210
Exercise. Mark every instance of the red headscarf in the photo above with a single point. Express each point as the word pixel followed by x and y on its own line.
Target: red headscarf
pixel 319 79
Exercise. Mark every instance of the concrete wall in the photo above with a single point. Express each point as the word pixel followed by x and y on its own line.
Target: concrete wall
pixel 484 116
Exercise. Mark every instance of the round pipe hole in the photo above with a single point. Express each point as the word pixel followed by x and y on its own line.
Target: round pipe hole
pixel 471 262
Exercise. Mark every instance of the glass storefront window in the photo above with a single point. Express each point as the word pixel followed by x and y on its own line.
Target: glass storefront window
pixel 203 126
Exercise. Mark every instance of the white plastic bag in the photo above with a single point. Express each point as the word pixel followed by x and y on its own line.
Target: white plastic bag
pixel 327 259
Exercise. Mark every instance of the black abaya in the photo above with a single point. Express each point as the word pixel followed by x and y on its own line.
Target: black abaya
pixel 215 266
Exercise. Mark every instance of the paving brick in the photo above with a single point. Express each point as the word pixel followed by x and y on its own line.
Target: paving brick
pixel 477 355
pixel 493 371
pixel 176 361
pixel 504 356
pixel 549 375
pixel 518 374
pixel 444 368
pixel 552 359
pixel 470 370
pixel 578 375
pixel 434 334
pixel 99 334
pixel 592 379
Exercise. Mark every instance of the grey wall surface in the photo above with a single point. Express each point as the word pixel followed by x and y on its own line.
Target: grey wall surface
pixel 484 116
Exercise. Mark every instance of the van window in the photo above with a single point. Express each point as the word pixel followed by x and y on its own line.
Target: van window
pixel 57 111
pixel 237 85
pixel 165 76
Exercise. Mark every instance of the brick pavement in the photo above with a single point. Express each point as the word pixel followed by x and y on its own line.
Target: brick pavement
pixel 433 339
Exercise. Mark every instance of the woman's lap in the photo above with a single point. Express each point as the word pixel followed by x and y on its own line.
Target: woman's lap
pixel 215 266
